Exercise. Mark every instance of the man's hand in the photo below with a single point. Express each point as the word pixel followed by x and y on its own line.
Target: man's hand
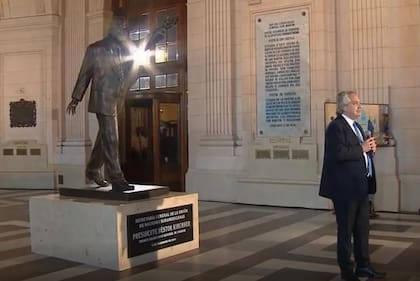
pixel 369 145
pixel 71 108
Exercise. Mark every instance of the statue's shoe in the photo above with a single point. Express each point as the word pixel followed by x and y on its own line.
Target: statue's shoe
pixel 121 186
pixel 98 179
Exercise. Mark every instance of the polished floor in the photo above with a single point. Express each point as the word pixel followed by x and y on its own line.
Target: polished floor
pixel 237 243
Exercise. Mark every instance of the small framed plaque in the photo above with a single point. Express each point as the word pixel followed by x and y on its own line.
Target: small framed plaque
pixel 22 113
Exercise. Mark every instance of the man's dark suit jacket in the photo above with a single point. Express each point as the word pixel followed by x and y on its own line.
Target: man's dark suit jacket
pixel 104 65
pixel 344 173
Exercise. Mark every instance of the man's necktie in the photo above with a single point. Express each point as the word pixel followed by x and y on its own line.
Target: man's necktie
pixel 360 137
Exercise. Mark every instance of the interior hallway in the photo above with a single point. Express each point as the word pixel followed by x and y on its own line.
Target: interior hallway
pixel 237 243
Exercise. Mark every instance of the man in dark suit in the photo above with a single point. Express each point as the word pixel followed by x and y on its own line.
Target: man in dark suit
pixel 348 176
pixel 106 65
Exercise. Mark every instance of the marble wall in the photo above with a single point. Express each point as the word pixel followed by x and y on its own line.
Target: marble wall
pixel 30 70
pixel 370 46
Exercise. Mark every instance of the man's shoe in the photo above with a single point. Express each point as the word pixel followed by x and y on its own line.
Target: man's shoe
pixel 349 277
pixel 121 186
pixel 372 211
pixel 99 180
pixel 373 215
pixel 369 272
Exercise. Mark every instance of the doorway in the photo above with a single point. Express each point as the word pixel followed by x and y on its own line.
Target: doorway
pixel 153 142
pixel 153 129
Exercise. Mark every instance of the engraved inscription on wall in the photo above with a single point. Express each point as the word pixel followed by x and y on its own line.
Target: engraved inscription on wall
pixel 283 96
pixel 22 113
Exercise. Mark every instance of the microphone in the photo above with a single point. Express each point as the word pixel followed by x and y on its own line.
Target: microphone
pixel 368 134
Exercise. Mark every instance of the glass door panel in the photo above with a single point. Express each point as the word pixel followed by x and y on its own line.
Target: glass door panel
pixel 139 158
pixel 169 144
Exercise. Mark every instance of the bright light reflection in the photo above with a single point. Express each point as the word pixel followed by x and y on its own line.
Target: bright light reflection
pixel 140 56
pixel 160 55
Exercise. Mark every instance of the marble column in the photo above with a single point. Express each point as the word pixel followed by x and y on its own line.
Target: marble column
pixel 84 23
pixel 98 19
pixel 219 109
pixel 361 49
pixel 74 48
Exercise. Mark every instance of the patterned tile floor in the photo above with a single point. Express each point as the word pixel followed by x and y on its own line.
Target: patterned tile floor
pixel 237 243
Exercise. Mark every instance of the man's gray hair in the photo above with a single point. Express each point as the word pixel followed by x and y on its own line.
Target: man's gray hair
pixel 343 100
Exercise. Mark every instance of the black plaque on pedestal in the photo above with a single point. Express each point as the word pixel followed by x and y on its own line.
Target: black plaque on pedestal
pixel 154 230
pixel 106 193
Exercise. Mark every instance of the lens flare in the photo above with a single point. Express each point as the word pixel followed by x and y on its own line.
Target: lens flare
pixel 140 56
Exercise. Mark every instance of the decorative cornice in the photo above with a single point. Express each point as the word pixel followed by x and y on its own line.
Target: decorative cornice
pixel 26 23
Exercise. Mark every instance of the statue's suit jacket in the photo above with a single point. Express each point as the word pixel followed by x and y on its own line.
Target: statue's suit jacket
pixel 105 65
pixel 344 173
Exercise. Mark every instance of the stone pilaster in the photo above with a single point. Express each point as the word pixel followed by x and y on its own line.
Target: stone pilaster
pixel 99 16
pixel 367 50
pixel 361 49
pixel 219 122
pixel 84 23
pixel 75 42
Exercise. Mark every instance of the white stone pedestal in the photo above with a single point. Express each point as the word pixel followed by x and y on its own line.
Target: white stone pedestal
pixel 114 234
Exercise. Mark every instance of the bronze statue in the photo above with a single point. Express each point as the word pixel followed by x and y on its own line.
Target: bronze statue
pixel 108 65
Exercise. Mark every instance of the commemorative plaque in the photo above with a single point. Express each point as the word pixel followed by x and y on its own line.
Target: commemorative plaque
pixel 151 231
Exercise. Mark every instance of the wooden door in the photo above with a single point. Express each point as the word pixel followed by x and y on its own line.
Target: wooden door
pixel 160 93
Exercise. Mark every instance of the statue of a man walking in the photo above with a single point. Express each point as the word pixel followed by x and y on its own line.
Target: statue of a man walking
pixel 107 67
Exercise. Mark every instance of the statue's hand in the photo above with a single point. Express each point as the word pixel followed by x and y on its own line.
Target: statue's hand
pixel 169 22
pixel 159 33
pixel 71 108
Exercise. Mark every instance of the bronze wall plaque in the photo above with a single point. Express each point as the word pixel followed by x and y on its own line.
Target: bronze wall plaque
pixel 22 113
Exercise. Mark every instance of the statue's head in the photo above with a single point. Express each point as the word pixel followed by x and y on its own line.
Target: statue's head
pixel 119 27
